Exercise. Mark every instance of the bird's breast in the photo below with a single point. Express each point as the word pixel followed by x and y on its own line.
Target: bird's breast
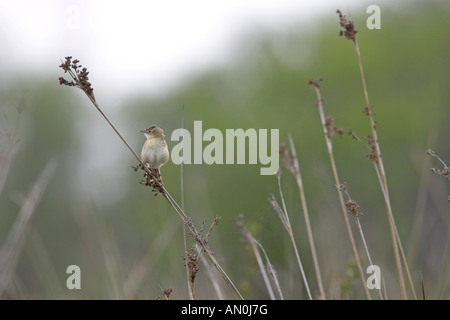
pixel 155 153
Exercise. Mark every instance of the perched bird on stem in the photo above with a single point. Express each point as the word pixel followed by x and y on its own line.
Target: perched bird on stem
pixel 155 152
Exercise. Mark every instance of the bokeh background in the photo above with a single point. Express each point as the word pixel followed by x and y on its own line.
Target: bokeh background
pixel 230 65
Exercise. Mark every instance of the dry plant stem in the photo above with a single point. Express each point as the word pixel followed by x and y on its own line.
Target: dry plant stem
pixel 253 244
pixel 271 270
pixel 433 154
pixel 211 275
pixel 185 219
pixel 288 227
pixel 196 235
pixel 299 180
pixel 400 247
pixel 423 288
pixel 341 198
pixel 9 253
pixel 367 249
pixel 358 224
pixel 396 243
pixel 445 172
pixel 200 240
pixel 190 287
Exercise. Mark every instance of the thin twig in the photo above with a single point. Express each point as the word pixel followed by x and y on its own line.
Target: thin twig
pixel 253 244
pixel 424 297
pixel 383 182
pixel 190 288
pixel 211 275
pixel 264 274
pixel 353 208
pixel 337 182
pixel 287 224
pixel 299 180
pixel 350 33
pixel 271 270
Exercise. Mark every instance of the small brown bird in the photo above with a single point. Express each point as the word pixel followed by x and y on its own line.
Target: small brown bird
pixel 155 152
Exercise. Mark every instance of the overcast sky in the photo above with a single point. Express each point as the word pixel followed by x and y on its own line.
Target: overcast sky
pixel 140 46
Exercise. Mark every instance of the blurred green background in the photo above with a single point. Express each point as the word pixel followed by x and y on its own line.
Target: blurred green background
pixel 129 244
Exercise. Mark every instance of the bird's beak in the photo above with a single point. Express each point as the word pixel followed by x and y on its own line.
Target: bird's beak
pixel 143 131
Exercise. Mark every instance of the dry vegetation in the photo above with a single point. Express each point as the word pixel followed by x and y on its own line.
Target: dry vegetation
pixel 200 257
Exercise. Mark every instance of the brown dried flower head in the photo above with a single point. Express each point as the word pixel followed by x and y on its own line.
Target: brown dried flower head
pixel 353 208
pixel 78 74
pixel 315 83
pixel 373 155
pixel 150 180
pixel 192 265
pixel 348 27
pixel 343 187
pixel 287 158
pixel 351 205
pixel 445 172
pixel 331 128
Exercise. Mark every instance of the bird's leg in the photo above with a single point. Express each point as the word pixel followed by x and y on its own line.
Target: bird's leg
pixel 159 176
pixel 149 177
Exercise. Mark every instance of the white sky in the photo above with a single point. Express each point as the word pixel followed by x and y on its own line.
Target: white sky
pixel 139 46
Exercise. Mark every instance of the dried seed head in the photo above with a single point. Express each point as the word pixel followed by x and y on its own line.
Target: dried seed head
pixel 445 172
pixel 352 134
pixel 373 155
pixel 331 129
pixel 339 131
pixel 368 110
pixel 353 208
pixel 349 28
pixel 315 83
pixel 351 205
pixel 78 74
pixel 167 292
pixel 287 158
pixel 343 187
pixel 150 180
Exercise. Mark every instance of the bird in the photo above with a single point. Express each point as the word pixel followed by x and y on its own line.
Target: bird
pixel 154 151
